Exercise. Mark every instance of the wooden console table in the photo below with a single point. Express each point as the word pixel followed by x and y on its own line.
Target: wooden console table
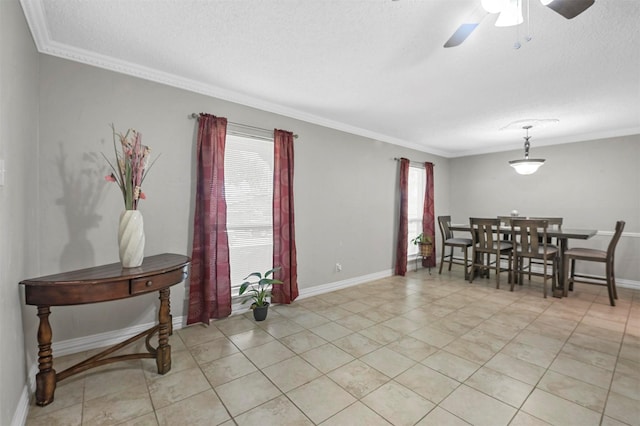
pixel 101 284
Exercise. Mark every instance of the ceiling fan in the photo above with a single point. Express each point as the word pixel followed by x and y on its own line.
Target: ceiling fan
pixel 510 13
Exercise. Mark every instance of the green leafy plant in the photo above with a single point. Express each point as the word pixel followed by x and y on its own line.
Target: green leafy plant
pixel 422 239
pixel 259 290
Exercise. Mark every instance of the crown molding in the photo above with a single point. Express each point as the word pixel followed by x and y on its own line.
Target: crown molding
pixel 35 16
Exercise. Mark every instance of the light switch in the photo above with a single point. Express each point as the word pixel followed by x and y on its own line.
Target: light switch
pixel 1 172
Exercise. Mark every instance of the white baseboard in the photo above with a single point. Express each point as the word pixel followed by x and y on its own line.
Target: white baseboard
pixel 338 285
pixel 108 338
pixel 22 410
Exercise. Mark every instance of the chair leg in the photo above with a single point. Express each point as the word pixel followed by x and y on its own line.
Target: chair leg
pixel 511 278
pixel 613 280
pixel 465 263
pixel 544 277
pixel 472 271
pixel 565 275
pixel 450 258
pixel 610 284
pixel 554 274
pixel 497 269
pixel 442 258
pixel 520 270
pixel 513 271
pixel 573 271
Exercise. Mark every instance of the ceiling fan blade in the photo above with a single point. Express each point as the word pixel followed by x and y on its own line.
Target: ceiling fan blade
pixel 570 8
pixel 470 23
pixel 461 34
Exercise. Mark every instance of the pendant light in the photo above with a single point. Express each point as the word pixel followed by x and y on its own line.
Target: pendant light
pixel 528 165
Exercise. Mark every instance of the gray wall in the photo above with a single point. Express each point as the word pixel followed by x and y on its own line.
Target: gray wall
pixel 345 187
pixel 18 197
pixel 590 184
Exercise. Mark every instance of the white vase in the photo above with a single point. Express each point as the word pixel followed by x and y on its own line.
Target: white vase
pixel 131 238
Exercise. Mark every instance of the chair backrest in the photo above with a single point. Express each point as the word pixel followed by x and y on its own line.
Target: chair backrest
pixel 554 222
pixel 485 233
pixel 445 222
pixel 616 237
pixel 530 234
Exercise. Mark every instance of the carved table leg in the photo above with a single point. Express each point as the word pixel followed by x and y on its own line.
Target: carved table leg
pixel 163 354
pixel 46 378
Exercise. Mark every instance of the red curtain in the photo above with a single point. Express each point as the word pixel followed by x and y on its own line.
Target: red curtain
pixel 284 237
pixel 403 239
pixel 428 217
pixel 210 280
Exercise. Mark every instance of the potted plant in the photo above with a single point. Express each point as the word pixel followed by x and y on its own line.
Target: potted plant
pixel 425 243
pixel 259 291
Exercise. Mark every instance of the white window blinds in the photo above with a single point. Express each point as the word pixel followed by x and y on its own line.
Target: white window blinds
pixel 249 194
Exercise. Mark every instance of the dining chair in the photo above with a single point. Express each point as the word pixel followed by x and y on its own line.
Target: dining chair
pixel 448 240
pixel 486 242
pixel 554 223
pixel 531 242
pixel 593 255
pixel 505 228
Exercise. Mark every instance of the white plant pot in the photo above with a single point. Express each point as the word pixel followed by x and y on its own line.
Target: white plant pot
pixel 131 238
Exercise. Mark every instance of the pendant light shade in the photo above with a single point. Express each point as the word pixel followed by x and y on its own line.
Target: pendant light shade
pixel 527 166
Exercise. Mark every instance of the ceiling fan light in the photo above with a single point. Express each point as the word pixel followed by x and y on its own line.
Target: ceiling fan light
pixel 526 166
pixel 546 2
pixel 494 6
pixel 511 15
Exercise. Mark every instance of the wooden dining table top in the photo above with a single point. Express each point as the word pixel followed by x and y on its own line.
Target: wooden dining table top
pixel 572 233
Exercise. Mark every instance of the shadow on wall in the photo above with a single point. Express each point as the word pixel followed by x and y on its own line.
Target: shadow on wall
pixel 82 190
pixel 192 212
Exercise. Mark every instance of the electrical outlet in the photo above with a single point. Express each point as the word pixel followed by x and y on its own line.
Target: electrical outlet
pixel 338 267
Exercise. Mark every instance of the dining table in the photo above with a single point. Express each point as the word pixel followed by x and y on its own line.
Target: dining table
pixel 562 235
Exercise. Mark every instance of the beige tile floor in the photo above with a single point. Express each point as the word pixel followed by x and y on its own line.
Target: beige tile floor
pixel 416 350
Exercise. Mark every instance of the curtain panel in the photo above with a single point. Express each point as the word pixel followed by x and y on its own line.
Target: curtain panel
pixel 403 239
pixel 284 236
pixel 210 280
pixel 428 217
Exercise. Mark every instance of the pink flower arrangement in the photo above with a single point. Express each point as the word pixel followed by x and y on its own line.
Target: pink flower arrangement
pixel 132 166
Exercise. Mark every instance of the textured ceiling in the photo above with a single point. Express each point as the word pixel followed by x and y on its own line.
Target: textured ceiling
pixel 373 67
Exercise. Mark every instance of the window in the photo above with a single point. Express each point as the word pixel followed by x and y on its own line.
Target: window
pixel 416 205
pixel 248 181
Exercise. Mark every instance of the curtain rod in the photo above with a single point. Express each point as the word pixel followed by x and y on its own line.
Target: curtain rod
pixel 412 162
pixel 195 115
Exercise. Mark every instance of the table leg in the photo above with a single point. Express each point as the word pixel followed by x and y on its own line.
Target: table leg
pixel 46 377
pixel 163 354
pixel 559 290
